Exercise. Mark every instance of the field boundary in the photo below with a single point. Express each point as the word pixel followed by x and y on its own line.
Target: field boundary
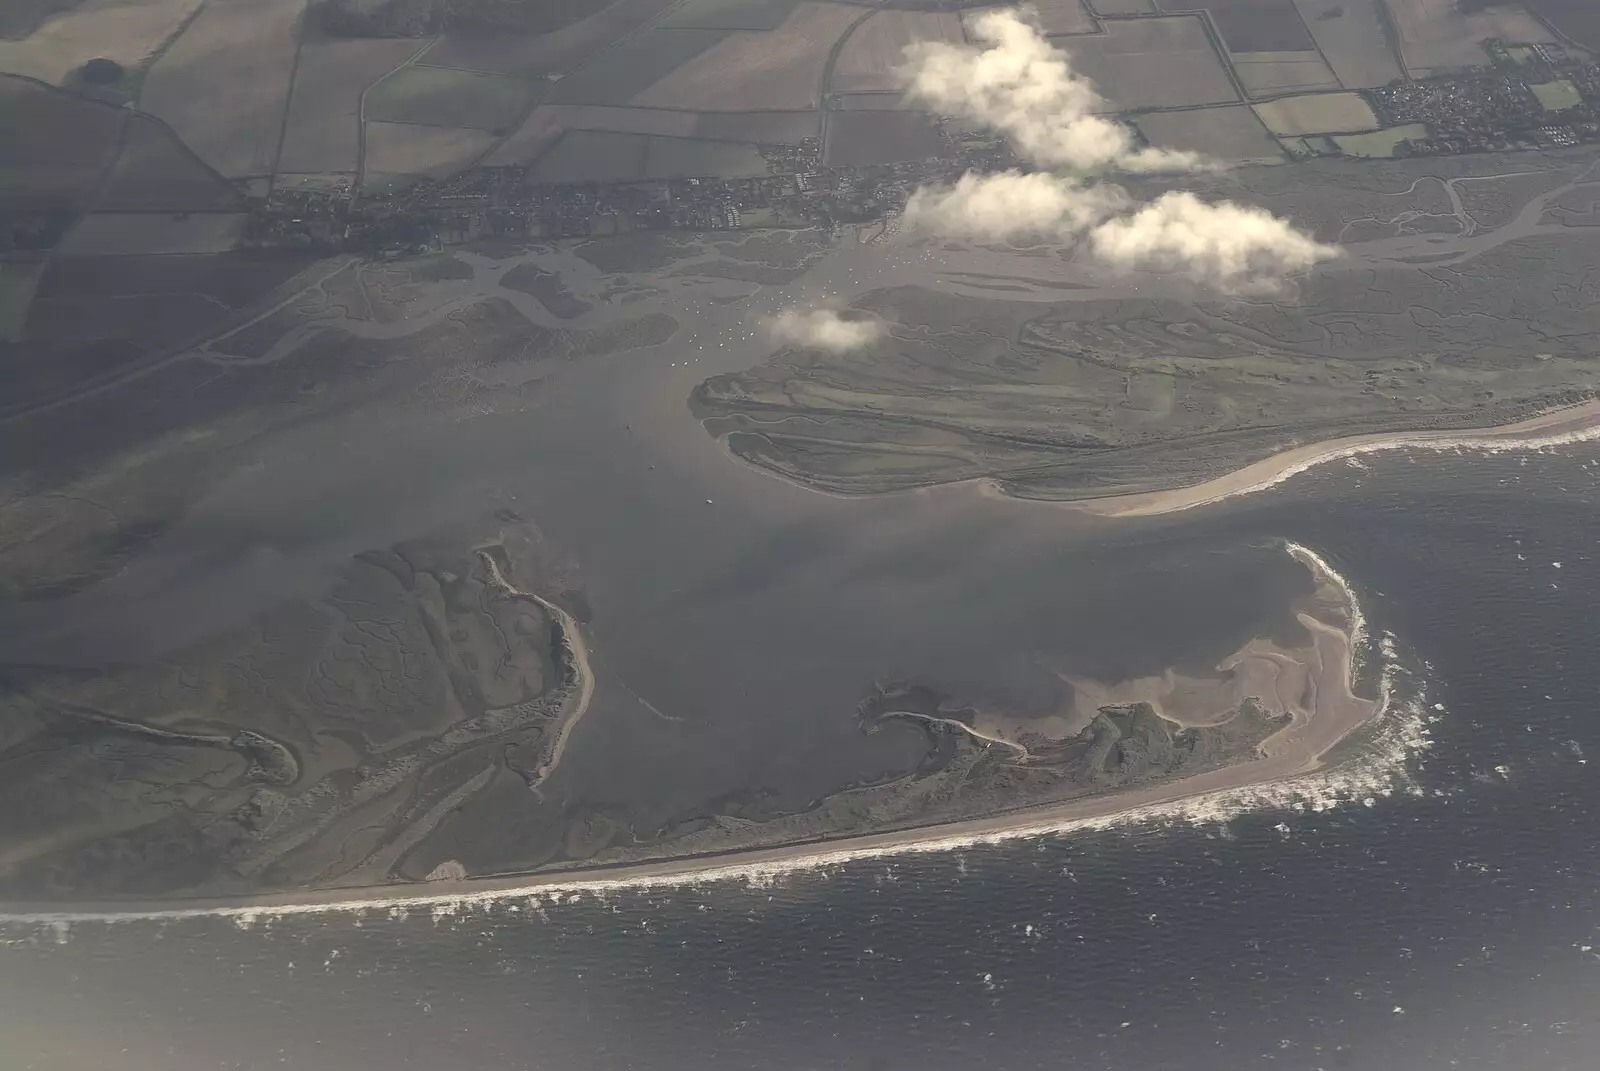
pixel 288 96
pixel 360 176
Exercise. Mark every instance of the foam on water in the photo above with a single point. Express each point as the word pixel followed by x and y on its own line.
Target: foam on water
pixel 1379 770
pixel 1479 442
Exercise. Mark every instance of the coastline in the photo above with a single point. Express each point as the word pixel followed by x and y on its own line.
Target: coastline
pixel 1555 427
pixel 1195 798
pixel 1278 775
pixel 1271 779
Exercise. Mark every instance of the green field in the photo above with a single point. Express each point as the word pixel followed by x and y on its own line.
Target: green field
pixel 443 96
pixel 1380 142
pixel 1557 96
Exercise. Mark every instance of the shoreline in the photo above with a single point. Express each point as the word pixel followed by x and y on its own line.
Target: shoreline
pixel 1571 423
pixel 1274 776
pixel 1268 779
pixel 1554 427
pixel 1174 800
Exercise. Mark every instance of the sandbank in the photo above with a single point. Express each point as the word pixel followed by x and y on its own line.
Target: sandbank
pixel 1569 424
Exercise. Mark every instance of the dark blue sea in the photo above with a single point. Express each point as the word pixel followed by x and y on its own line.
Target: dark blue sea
pixel 1450 922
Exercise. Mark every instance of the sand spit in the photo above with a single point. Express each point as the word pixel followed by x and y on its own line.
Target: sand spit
pixel 1287 776
pixel 580 690
pixel 1558 427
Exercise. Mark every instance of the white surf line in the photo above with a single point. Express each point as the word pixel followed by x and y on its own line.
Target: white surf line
pixel 1311 792
pixel 1319 565
pixel 1375 776
pixel 1523 436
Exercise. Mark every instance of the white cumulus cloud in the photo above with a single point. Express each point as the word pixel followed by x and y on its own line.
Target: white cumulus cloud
pixel 823 329
pixel 1014 80
pixel 1228 246
pixel 1004 205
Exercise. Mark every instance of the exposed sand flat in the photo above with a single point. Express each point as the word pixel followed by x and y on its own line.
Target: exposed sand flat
pixel 1577 423
pixel 1313 685
pixel 1335 710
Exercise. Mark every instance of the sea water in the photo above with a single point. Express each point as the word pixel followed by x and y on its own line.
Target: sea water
pixel 1444 917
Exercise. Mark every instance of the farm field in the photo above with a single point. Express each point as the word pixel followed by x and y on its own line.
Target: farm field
pixel 439 96
pixel 875 49
pixel 157 171
pixel 1231 133
pixel 1317 114
pixel 547 122
pixel 729 14
pixel 1253 25
pixel 92 316
pixel 859 139
pixel 1436 36
pixel 761 128
pixel 127 31
pixel 780 69
pixel 1379 143
pixel 406 150
pixel 668 158
pixel 611 156
pixel 1352 36
pixel 20 18
pixel 323 131
pixel 547 53
pixel 129 233
pixel 873 102
pixel 592 156
pixel 53 146
pixel 224 84
pixel 634 64
pixel 1266 73
pixel 1059 17
pixel 151 301
pixel 1122 7
pixel 1153 63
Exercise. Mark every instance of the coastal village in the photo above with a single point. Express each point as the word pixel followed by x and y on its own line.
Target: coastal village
pixel 507 202
pixel 1532 97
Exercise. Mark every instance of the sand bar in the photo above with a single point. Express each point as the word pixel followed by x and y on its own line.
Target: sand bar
pixel 1569 424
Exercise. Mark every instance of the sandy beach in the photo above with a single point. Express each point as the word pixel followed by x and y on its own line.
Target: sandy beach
pixel 1568 424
